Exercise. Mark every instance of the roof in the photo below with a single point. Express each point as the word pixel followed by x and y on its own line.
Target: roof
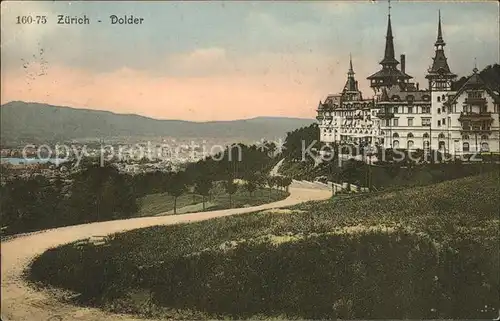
pixel 439 40
pixel 440 65
pixel 389 73
pixel 389 46
pixel 475 81
pixel 404 95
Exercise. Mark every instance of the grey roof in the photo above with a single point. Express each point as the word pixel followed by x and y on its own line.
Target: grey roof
pixel 475 81
pixel 389 73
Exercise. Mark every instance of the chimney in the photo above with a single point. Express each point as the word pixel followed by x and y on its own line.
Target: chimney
pixel 403 63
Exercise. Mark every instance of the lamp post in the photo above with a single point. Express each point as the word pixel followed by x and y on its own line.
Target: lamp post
pixel 430 142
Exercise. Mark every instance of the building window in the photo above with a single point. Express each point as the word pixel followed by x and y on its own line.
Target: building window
pixel 395 144
pixel 395 122
pixel 387 122
pixel 410 144
pixel 410 110
pixel 439 99
pixel 426 121
pixel 444 109
pixel 410 121
pixel 395 110
pixel 465 147
pixel 484 137
pixel 444 121
pixel 441 136
pixel 485 147
pixel 465 137
pixel 410 135
pixel 439 110
pixel 395 135
pixel 426 135
pixel 439 123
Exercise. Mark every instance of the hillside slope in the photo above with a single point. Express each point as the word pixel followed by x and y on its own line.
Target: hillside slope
pixel 421 253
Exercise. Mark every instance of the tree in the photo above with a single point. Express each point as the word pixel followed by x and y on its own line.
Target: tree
pixel 231 188
pixel 271 182
pixel 286 181
pixel 251 186
pixel 176 187
pixel 203 186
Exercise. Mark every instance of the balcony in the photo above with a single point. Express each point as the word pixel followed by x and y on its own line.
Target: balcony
pixel 471 116
pixel 385 115
pixel 475 100
pixel 476 129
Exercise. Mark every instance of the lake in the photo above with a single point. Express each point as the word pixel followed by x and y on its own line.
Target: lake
pixel 21 161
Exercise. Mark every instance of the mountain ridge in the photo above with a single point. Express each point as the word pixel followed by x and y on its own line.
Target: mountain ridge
pixel 38 122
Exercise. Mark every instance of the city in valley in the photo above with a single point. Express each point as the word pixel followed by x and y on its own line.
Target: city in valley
pixel 179 166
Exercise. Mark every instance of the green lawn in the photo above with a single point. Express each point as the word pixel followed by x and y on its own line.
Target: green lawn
pixel 163 203
pixel 422 253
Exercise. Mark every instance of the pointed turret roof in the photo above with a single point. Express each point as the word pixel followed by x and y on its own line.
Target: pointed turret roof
pixel 350 64
pixel 440 63
pixel 389 57
pixel 389 72
pixel 439 40
pixel 350 84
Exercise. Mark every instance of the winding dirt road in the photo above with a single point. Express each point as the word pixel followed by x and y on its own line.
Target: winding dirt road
pixel 22 302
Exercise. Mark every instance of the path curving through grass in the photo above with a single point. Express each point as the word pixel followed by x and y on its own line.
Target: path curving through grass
pixel 22 302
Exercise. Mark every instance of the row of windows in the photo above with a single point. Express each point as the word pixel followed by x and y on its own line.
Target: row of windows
pixel 409 98
pixel 484 147
pixel 440 136
pixel 409 122
pixel 410 110
pixel 441 109
pixel 465 146
pixel 441 98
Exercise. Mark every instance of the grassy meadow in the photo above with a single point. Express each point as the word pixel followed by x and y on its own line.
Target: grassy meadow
pixel 422 252
pixel 163 203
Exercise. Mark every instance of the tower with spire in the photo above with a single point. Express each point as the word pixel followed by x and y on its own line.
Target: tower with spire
pixel 351 91
pixel 389 75
pixel 439 74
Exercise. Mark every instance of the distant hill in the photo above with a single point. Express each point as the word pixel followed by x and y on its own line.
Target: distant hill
pixel 34 122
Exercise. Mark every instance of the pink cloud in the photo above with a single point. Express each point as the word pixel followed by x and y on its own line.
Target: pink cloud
pixel 208 85
pixel 131 91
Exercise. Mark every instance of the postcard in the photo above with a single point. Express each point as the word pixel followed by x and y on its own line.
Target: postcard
pixel 283 160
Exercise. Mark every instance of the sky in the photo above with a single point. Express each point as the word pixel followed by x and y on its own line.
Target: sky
pixel 227 60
